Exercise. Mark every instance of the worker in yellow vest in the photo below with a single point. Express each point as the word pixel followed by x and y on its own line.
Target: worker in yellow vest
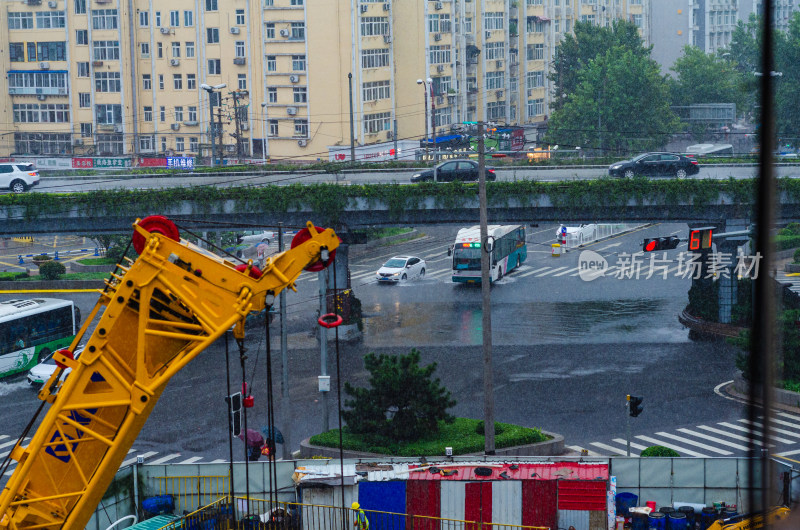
pixel 361 522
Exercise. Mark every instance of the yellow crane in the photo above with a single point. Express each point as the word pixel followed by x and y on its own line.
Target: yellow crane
pixel 155 315
pixel 752 521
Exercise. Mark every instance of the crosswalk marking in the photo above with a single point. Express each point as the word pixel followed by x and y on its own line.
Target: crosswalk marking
pixel 696 444
pixel 790 416
pixel 621 452
pixel 682 450
pixel 755 433
pixel 789 453
pixel 533 271
pixel 633 444
pixel 714 439
pixel 219 461
pixel 787 423
pixel 191 460
pixel 731 435
pixel 436 274
pixel 580 449
pixel 569 270
pixel 133 460
pixel 546 273
pixel 163 459
pixel 11 443
pixel 773 429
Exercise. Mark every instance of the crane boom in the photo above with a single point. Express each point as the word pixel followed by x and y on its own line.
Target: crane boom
pixel 158 313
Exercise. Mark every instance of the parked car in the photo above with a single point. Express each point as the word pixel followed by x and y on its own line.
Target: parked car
pixel 655 164
pixel 39 374
pixel 18 177
pixel 463 170
pixel 400 269
pixel 254 238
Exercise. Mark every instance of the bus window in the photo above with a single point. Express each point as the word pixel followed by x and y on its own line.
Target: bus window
pixel 467 258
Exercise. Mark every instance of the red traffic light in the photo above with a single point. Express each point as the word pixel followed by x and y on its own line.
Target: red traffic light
pixel 650 245
pixel 660 243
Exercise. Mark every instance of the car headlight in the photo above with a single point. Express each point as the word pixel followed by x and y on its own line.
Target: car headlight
pixel 616 166
pixel 416 175
pixel 396 274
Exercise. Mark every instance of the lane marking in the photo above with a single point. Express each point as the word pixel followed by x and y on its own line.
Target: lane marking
pixel 633 444
pixel 756 433
pixel 546 273
pixel 786 423
pixel 684 440
pixel 714 439
pixel 676 447
pixel 772 429
pixel 580 449
pixel 612 449
pixel 163 459
pixel 534 271
pixel 734 436
pixel 191 460
pixel 131 461
pixel 563 273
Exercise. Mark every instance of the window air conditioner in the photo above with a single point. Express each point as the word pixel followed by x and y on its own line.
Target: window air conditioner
pixel 387 6
pixel 440 100
pixel 239 60
pixel 440 68
pixel 77 141
pixel 175 126
pixel 284 33
pixel 118 128
pixel 363 8
pixel 302 142
pixel 488 34
pixel 41 97
pixel 499 94
pixel 244 127
pixel 235 30
pixel 230 148
pixel 174 62
pixel 294 78
pixel 291 111
pixel 44 65
pixel 594 8
pixel 389 135
pixel 438 6
pixel 499 63
pixel 437 36
pixel 165 31
pixel 52 3
pixel 387 39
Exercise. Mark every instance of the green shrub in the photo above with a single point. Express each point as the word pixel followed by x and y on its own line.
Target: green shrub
pixel 11 276
pixel 797 256
pixel 498 428
pixel 659 450
pixel 42 257
pixel 51 270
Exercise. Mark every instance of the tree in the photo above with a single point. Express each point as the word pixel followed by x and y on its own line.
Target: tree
pixel 403 401
pixel 590 41
pixel 51 270
pixel 620 103
pixel 706 78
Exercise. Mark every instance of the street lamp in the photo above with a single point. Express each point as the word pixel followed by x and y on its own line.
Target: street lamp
pixel 211 89
pixel 264 133
pixel 427 85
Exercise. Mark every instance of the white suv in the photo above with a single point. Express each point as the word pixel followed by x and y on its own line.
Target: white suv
pixel 18 177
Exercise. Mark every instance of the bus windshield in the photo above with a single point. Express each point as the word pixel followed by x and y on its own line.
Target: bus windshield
pixel 467 258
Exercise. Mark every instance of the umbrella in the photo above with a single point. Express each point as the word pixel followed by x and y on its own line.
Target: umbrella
pixel 254 438
pixel 271 433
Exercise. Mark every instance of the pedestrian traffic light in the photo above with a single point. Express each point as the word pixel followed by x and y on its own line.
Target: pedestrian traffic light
pixel 660 243
pixel 634 405
pixel 234 401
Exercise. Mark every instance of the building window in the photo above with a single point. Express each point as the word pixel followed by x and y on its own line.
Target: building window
pixel 47 51
pixel 301 128
pixel 535 107
pixel 179 143
pixel 270 30
pixel 299 63
pixel 496 110
pixel 273 128
pixel 108 114
pixel 495 80
pixel 146 143
pixel 83 69
pixel 242 81
pixel 158 19
pixel 86 130
pixel 439 23
pixel 189 49
pixel 26 113
pixel 177 81
pixel 295 2
pixel 162 113
pixel 375 58
pixel 535 79
pixel 441 85
pixel 54 112
pixel 272 63
pixel 80 7
pixel 107 82
pixel 178 113
pixel 43 143
pixel 16 52
pixel 298 30
pixel 176 49
pixel 535 52
pixel 191 114
pixel 376 90
pixel 374 123
pixel 637 19
pixel 144 49
pixel 591 19
pixel 191 82
pixel 534 2
pixel 440 54
pixel 148 114
pixel 193 145
pixel 109 144
pixel 442 116
pixel 300 94
pixel 268 3
pixel 214 67
pixel 493 20
pixel 50 19
pixel 272 95
pixel 104 19
pixel 212 35
pixel 161 81
pixel 240 17
pixel 144 19
pixel 84 100
pixel 188 18
pixel 374 26
pixel 211 5
pixel 495 50
pixel 239 48
pixel 175 19
pixel 23 20
pixel 105 50
pixel 159 50
pixel 54 83
pixel 163 144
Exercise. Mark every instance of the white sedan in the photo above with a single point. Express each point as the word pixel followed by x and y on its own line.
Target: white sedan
pixel 39 374
pixel 254 238
pixel 578 235
pixel 401 268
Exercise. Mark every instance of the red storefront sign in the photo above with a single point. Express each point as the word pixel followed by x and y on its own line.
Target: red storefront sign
pixel 82 163
pixel 151 162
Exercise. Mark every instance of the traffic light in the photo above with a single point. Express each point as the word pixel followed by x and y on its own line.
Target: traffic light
pixel 634 405
pixel 660 243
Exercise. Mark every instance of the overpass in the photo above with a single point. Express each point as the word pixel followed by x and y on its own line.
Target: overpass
pixel 357 206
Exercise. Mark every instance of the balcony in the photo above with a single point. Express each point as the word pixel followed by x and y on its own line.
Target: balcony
pixel 30 91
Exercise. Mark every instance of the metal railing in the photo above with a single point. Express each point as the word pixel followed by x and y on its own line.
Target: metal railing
pixel 192 492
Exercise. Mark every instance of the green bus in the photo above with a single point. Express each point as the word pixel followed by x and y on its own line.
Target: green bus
pixel 31 329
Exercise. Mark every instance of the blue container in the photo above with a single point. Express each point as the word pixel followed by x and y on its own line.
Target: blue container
pixel 689 511
pixel 625 501
pixel 639 521
pixel 707 518
pixel 657 521
pixel 667 510
pixel 677 521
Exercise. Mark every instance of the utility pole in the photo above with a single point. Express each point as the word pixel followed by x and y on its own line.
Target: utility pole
pixel 323 345
pixel 433 125
pixel 352 125
pixel 218 133
pixel 285 405
pixel 486 306
pixel 235 95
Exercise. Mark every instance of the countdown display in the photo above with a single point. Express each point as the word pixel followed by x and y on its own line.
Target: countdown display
pixel 700 239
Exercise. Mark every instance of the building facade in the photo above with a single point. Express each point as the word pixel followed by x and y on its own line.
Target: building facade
pixel 124 78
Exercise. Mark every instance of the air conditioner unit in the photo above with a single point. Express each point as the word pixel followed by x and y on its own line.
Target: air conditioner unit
pixel 294 78
pixel 165 31
pixel 387 39
pixel 498 63
pixel 239 60
pixel 440 68
pixel 594 8
pixel 530 92
pixel 42 97
pixel 97 63
pixel 499 94
pixel 44 65
pixel 244 127
pixel 438 6
pixel 190 123
pixel 52 3
pixel 440 100
pixel 33 2
pixel 437 36
pixel 175 126
pixel 389 135
pixel 291 111
pixel 103 1
pixel 230 148
pixel 387 6
pixel 77 141
pixel 488 34
pixel 118 128
pixel 174 62
pixel 284 33
pixel 363 8
pixel 302 142
pixel 235 30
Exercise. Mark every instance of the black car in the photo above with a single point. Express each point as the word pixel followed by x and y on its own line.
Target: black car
pixel 463 170
pixel 655 164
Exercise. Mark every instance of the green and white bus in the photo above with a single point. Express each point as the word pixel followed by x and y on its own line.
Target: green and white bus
pixel 31 329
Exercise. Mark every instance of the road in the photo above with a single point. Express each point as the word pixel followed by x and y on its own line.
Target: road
pixel 566 352
pixel 77 183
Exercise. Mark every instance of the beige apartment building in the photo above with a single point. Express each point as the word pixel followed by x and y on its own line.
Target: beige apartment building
pixel 124 78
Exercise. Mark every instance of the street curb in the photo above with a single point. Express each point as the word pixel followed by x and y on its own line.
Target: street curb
pixel 784 399
pixel 51 284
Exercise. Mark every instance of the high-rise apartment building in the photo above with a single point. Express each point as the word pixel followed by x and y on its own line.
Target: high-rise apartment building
pixel 123 77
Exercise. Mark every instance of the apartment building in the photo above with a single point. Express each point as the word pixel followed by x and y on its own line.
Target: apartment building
pixel 123 78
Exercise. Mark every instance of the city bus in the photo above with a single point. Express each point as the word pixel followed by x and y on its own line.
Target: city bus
pixel 31 329
pixel 508 251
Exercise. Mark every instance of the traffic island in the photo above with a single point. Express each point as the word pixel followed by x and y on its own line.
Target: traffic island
pixel 700 329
